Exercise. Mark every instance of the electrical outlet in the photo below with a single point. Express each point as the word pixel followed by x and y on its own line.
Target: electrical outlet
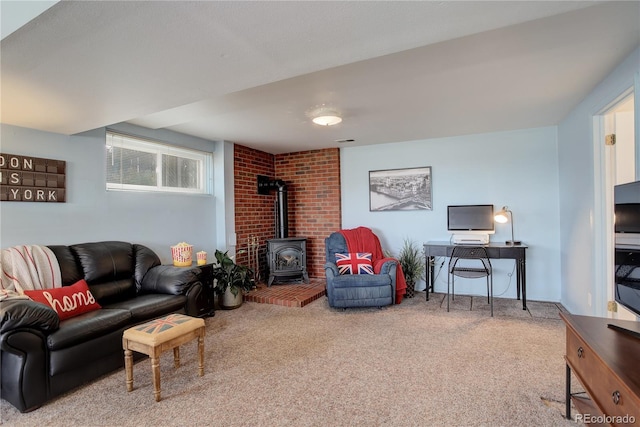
pixel 612 306
pixel 589 298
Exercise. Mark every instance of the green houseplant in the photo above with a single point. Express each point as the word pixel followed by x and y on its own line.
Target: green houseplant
pixel 231 280
pixel 413 265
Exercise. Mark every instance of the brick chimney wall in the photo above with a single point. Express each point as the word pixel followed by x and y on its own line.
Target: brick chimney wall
pixel 254 213
pixel 313 190
pixel 313 184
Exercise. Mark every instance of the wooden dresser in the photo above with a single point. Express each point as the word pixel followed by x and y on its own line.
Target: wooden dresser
pixel 607 364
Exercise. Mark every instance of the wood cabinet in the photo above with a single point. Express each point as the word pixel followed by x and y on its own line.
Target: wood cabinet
pixel 607 364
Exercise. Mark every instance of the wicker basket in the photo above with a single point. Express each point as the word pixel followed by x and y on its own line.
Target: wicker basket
pixel 411 290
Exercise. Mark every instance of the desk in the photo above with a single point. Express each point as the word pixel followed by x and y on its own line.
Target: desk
pixel 433 249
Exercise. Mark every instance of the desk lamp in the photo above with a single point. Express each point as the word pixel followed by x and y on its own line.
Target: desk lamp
pixel 503 216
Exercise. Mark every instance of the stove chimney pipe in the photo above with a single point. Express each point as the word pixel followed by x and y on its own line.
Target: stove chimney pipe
pixel 265 185
pixel 282 230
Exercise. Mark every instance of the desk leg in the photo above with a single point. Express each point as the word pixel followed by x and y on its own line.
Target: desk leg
pixel 430 275
pixel 521 281
pixel 567 394
pixel 518 278
pixel 523 272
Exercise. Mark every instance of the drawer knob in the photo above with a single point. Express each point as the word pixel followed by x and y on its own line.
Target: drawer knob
pixel 580 352
pixel 616 397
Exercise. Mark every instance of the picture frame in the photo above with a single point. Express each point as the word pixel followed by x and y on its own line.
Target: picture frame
pixel 400 189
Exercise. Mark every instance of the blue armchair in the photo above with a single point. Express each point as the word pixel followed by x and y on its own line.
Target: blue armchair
pixel 357 290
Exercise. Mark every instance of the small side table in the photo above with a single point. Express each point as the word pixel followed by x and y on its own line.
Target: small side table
pixel 157 336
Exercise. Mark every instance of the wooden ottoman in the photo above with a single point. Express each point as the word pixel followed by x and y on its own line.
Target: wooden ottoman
pixel 157 336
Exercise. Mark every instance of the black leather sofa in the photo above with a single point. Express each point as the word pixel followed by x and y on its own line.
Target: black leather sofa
pixel 43 357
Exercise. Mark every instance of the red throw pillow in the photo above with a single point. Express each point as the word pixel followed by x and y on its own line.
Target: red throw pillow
pixel 67 301
pixel 354 263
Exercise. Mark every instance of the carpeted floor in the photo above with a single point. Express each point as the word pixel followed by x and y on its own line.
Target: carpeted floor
pixel 412 364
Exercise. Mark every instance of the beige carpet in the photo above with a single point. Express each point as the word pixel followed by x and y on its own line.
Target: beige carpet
pixel 408 365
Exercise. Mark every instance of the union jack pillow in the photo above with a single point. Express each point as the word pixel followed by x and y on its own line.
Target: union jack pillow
pixel 354 263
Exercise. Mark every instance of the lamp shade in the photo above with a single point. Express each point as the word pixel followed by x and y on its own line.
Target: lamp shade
pixel 501 216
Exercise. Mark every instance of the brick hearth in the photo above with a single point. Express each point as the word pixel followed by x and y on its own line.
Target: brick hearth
pixel 289 295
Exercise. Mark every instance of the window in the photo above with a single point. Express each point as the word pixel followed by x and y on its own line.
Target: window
pixel 143 165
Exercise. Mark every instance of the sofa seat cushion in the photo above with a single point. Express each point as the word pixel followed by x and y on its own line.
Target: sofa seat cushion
pixel 150 306
pixel 72 366
pixel 361 280
pixel 87 326
pixel 378 296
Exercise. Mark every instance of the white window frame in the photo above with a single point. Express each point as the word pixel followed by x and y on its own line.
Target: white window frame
pixel 159 149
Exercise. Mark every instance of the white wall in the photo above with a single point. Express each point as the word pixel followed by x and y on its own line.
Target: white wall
pixel 580 194
pixel 517 168
pixel 91 213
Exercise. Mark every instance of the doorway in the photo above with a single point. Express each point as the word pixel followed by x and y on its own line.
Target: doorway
pixel 620 152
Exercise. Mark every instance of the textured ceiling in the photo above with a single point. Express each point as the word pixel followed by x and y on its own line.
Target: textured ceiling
pixel 249 72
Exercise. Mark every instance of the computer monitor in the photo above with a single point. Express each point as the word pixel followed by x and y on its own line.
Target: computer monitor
pixel 470 219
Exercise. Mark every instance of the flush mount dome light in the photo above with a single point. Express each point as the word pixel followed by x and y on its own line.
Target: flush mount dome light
pixel 324 116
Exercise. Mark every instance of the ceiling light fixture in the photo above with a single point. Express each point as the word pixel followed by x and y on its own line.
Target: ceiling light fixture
pixel 324 116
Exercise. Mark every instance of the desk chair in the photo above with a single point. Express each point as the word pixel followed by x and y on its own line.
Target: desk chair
pixel 478 266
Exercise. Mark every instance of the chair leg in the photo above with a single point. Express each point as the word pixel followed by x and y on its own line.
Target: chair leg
pixel 453 287
pixel 491 295
pixel 448 276
pixel 488 300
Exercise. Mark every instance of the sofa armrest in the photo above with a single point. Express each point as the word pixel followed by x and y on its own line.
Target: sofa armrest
pixel 24 361
pixel 167 279
pixel 389 267
pixel 331 270
pixel 27 314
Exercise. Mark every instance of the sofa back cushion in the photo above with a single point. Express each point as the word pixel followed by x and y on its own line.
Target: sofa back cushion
pixel 105 261
pixel 69 267
pixel 108 268
pixel 113 270
pixel 145 260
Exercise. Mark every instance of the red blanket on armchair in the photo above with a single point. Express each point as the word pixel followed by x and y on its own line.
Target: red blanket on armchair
pixel 362 239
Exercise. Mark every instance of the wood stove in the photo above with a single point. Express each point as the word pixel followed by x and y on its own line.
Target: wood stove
pixel 287 259
pixel 287 256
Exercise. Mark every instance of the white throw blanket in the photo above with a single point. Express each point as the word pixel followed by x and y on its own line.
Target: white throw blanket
pixel 28 267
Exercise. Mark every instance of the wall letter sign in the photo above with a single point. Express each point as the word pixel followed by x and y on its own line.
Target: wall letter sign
pixel 31 179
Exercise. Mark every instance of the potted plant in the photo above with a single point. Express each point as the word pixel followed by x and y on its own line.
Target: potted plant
pixel 413 265
pixel 231 280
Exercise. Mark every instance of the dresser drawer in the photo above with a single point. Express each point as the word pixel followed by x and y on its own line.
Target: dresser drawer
pixel 607 391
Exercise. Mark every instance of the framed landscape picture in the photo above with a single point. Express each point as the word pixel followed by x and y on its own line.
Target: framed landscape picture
pixel 400 189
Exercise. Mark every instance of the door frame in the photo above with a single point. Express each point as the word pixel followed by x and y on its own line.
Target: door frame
pixel 603 231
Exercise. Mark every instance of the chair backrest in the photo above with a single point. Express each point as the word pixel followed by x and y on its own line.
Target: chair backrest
pixel 333 245
pixel 471 253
